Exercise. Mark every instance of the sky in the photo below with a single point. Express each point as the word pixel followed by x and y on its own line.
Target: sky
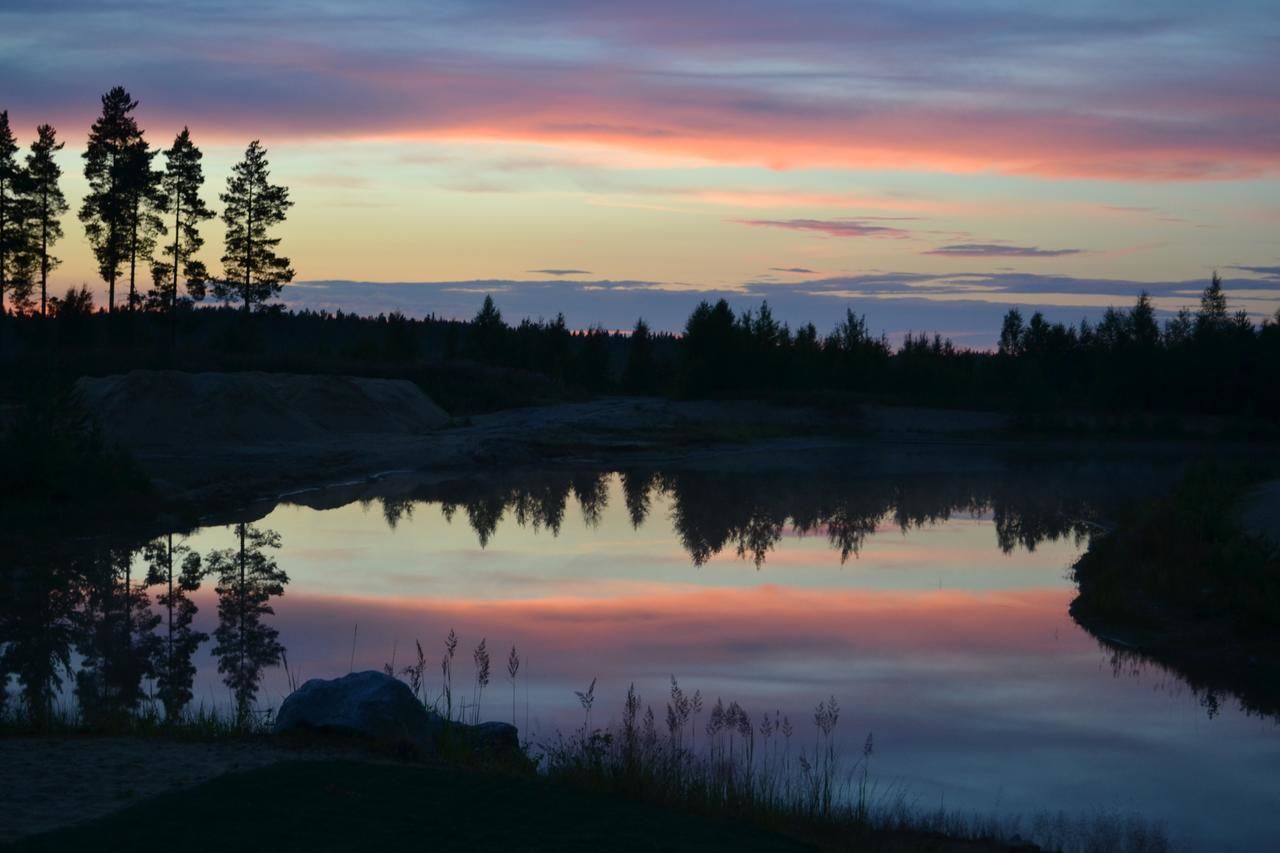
pixel 927 163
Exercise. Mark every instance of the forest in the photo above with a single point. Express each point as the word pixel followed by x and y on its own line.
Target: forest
pixel 144 221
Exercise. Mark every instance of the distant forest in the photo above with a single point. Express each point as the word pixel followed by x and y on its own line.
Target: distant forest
pixel 141 218
pixel 1209 361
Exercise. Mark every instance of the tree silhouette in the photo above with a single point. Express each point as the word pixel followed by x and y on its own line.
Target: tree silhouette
pixel 180 198
pixel 111 165
pixel 247 579
pixel 173 667
pixel 253 272
pixel 487 330
pixel 145 224
pixel 12 238
pixel 1212 316
pixel 1011 333
pixel 117 637
pixel 637 375
pixel 37 631
pixel 47 203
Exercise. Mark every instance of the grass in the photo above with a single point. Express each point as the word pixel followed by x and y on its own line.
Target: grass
pixel 148 719
pixel 714 765
pixel 351 805
pixel 765 773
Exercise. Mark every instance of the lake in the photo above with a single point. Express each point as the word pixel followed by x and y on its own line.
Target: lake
pixel 932 607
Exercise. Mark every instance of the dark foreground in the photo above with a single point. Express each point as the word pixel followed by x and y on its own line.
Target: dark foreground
pixel 362 805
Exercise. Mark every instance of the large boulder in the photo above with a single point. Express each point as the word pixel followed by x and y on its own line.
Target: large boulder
pixel 363 703
pixel 376 705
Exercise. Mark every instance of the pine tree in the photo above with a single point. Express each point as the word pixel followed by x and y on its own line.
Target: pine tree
pixel 145 225
pixel 1212 316
pixel 488 329
pixel 180 198
pixel 47 203
pixel 254 273
pixel 11 234
pixel 110 163
pixel 637 375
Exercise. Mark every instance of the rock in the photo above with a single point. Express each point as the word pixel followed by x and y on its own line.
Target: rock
pixel 375 705
pixel 368 703
pixel 493 739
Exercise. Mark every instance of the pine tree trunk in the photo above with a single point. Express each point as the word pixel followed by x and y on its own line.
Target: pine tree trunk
pixel 173 304
pixel 240 699
pixel 133 257
pixel 3 255
pixel 248 250
pixel 44 255
pixel 169 662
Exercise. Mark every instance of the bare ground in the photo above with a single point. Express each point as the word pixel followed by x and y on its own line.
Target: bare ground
pixel 51 782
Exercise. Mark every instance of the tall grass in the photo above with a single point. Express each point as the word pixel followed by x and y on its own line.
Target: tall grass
pixel 745 766
pixel 760 769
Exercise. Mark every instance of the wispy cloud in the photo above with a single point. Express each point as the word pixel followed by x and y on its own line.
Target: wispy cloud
pixel 831 227
pixel 1269 272
pixel 1127 91
pixel 799 270
pixel 999 250
pixel 561 272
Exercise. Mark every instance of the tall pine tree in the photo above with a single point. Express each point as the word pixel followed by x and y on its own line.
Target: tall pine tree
pixel 254 273
pixel 12 237
pixel 145 224
pixel 180 199
pixel 47 203
pixel 111 163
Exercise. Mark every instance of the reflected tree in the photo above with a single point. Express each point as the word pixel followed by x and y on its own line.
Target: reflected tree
pixel 711 511
pixel 179 571
pixel 635 491
pixel 542 504
pixel 37 633
pixel 247 579
pixel 116 639
pixel 396 509
pixel 592 492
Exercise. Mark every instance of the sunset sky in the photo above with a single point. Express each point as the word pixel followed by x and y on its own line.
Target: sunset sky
pixel 929 163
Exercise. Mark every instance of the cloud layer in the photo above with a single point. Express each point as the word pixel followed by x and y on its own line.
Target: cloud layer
pixel 999 250
pixel 1134 91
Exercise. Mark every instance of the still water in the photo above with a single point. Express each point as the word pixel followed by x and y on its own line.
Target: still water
pixel 933 609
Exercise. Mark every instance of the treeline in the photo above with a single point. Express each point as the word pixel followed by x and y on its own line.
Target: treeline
pixel 1211 360
pixel 138 219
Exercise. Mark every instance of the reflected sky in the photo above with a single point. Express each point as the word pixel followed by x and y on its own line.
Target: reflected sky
pixel 958 655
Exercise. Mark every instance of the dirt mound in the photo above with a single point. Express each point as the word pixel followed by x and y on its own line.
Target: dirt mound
pixel 170 407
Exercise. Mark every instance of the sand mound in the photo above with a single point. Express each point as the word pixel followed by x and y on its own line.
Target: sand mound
pixel 170 407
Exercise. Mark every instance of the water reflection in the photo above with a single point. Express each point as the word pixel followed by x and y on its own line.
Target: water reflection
pixel 750 513
pixel 934 608
pixel 88 620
